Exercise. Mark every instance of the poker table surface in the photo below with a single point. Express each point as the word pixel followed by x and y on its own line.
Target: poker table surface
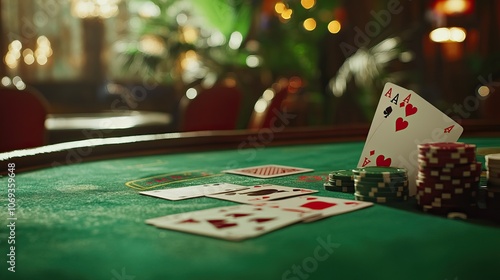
pixel 79 215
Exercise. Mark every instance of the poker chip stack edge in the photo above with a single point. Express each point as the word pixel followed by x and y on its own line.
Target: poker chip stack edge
pixel 340 181
pixel 381 184
pixel 448 176
pixel 492 189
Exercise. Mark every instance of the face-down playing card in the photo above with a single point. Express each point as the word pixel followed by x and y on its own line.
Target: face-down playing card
pixel 268 171
pixel 260 193
pixel 403 120
pixel 323 206
pixel 193 191
pixel 231 222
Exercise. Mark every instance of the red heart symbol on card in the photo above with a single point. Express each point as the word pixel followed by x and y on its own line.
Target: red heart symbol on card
pixel 410 110
pixel 401 124
pixel 382 161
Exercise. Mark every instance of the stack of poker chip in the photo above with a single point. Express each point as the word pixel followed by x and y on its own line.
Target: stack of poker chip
pixel 448 176
pixel 381 184
pixel 492 189
pixel 340 181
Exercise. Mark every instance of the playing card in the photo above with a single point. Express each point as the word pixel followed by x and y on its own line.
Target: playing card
pixel 193 191
pixel 268 171
pixel 231 222
pixel 412 120
pixel 259 193
pixel 323 206
pixel 389 103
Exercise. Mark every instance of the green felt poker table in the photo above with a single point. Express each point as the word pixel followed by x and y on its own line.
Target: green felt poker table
pixel 77 214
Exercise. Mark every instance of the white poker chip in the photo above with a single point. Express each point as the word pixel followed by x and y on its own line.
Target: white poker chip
pixel 457 215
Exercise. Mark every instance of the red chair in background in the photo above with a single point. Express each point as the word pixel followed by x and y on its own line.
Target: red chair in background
pixel 215 108
pixel 22 119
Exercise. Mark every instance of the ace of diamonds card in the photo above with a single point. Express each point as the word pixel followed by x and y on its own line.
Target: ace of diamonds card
pixel 403 120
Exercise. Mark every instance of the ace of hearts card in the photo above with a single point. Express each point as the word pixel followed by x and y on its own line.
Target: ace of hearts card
pixel 402 120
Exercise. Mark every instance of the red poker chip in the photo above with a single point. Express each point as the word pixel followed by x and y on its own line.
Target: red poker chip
pixel 446 179
pixel 423 163
pixel 447 154
pixel 447 146
pixel 465 170
pixel 446 194
pixel 471 156
pixel 446 176
pixel 443 185
pixel 444 161
pixel 445 203
pixel 450 193
pixel 444 210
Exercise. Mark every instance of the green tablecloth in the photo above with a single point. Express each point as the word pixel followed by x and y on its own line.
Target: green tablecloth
pixel 82 221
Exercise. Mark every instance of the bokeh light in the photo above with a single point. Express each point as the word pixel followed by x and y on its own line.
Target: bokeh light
pixel 334 27
pixel 308 4
pixel 310 24
pixel 191 93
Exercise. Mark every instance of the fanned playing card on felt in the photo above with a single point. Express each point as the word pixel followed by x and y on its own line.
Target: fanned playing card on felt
pixel 323 206
pixel 233 223
pixel 193 191
pixel 259 193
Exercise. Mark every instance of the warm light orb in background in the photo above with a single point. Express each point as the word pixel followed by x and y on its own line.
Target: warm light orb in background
pixel 28 56
pixel 151 45
pixel 483 91
pixel 252 61
pixel 307 4
pixel 18 83
pixel 189 34
pixel 149 10
pixel 449 7
pixel 235 40
pixel 191 93
pixel 6 81
pixel 279 7
pixel 287 14
pixel 310 24
pixel 457 34
pixel 334 26
pixel 94 8
pixel 445 34
pixel 268 94
pixel 260 106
